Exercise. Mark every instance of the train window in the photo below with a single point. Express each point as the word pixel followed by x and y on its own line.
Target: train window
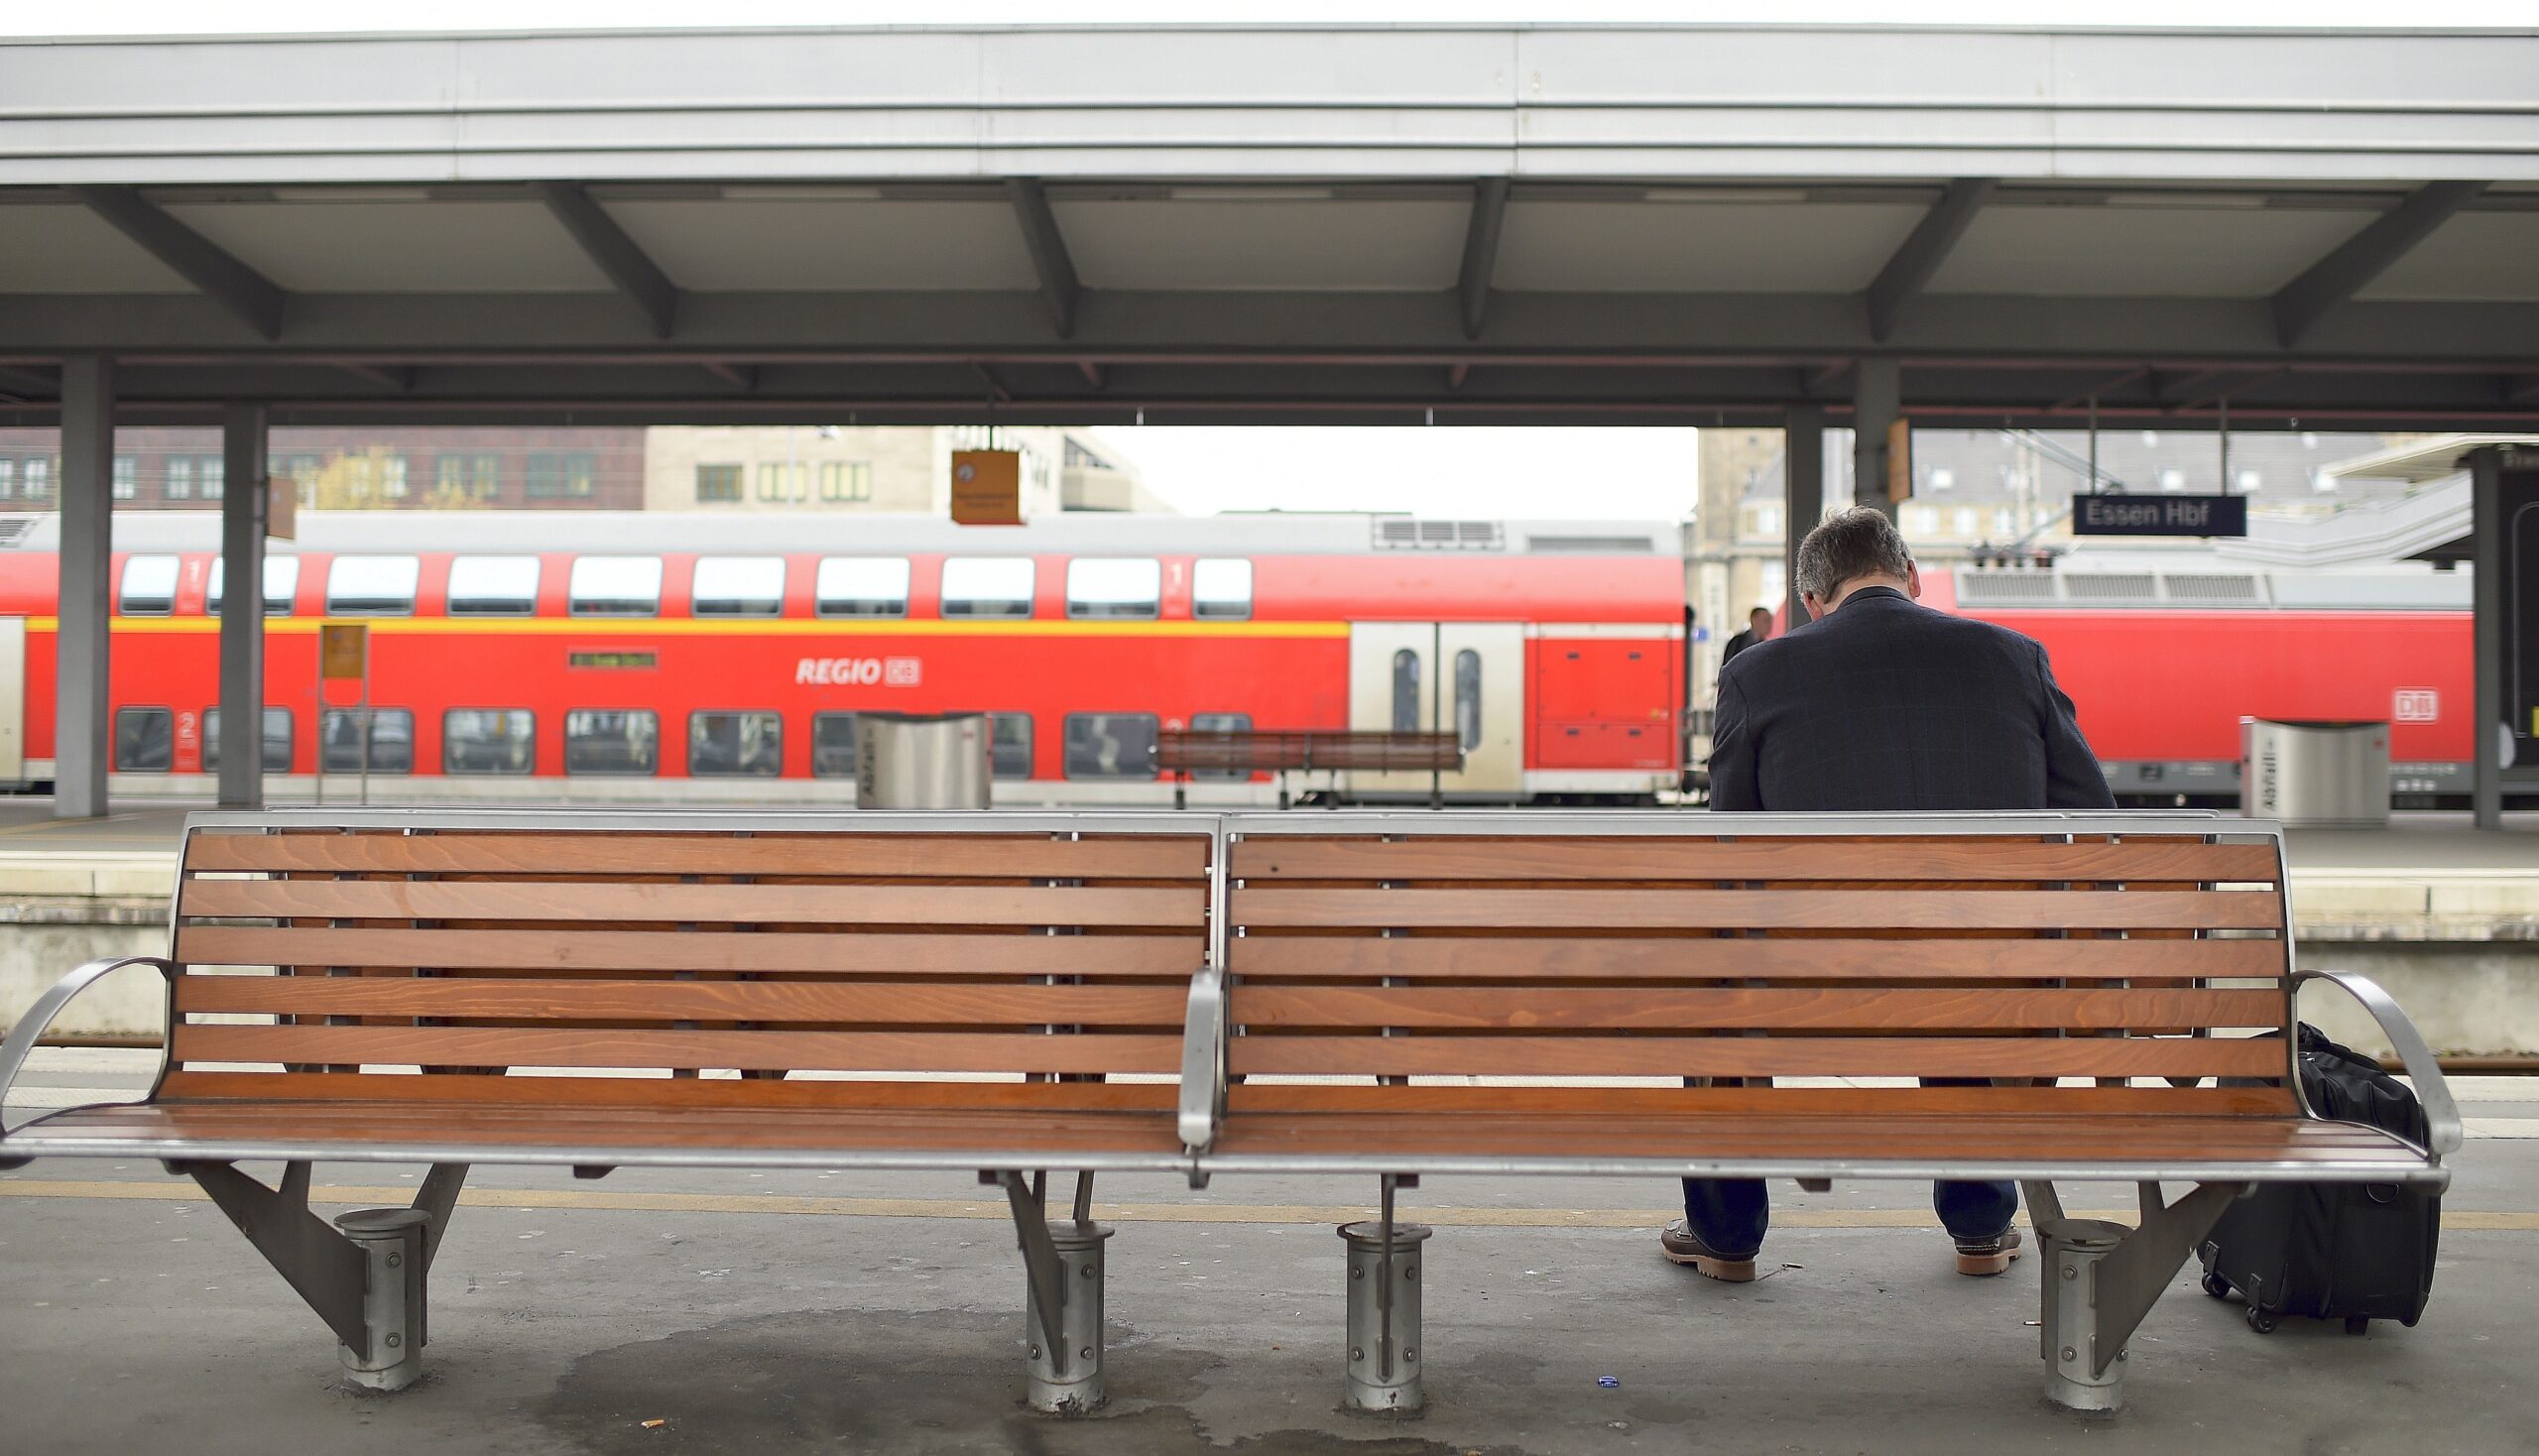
pixel 277 737
pixel 392 740
pixel 612 740
pixel 1110 744
pixel 1221 723
pixel 1221 587
pixel 1406 692
pixel 148 586
pixel 1010 744
pixel 493 586
pixel 144 740
pixel 987 586
pixel 1468 700
pixel 834 745
pixel 729 745
pixel 372 586
pixel 738 586
pixel 863 587
pixel 1114 587
pixel 614 587
pixel 281 584
pixel 488 741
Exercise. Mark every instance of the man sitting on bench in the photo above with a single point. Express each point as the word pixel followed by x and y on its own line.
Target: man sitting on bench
pixel 1882 704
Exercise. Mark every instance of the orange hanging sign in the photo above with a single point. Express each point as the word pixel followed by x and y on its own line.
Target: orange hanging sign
pixel 987 488
pixel 343 651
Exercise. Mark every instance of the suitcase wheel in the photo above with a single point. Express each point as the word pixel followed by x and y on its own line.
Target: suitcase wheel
pixel 2216 1286
pixel 2262 1322
pixel 2358 1324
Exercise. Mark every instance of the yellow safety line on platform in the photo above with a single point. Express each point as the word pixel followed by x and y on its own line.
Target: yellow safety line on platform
pixel 1185 1213
pixel 613 627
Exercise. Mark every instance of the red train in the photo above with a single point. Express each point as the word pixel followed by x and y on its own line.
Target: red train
pixel 713 658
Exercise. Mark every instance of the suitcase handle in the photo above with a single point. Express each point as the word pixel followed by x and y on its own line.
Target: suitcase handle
pixel 2441 1114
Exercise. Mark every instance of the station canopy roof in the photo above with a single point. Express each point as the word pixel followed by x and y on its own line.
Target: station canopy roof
pixel 1324 224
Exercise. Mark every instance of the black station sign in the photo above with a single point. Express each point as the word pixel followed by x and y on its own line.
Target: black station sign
pixel 2160 515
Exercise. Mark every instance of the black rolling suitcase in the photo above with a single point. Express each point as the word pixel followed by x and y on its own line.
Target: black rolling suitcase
pixel 2358 1252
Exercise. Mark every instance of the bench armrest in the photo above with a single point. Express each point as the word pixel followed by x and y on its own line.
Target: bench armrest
pixel 1203 1058
pixel 2441 1114
pixel 39 1017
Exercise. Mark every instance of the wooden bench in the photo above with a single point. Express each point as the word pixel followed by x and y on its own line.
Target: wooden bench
pixel 660 991
pixel 1182 753
pixel 2125 979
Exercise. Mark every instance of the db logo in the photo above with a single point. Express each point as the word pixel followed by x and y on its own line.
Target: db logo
pixel 2417 705
pixel 858 671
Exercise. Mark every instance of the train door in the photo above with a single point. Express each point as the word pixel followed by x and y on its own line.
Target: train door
pixel 1431 676
pixel 13 700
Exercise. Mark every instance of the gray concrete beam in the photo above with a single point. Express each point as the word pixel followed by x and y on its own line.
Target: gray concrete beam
pixel 2486 635
pixel 224 279
pixel 1803 467
pixel 616 254
pixel 1876 396
pixel 2331 280
pixel 243 504
pixel 83 746
pixel 1481 253
pixel 1923 251
pixel 1047 246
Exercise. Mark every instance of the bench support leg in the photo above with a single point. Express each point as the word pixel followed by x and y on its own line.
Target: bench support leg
pixel 2101 1279
pixel 1062 1302
pixel 1384 1311
pixel 364 1276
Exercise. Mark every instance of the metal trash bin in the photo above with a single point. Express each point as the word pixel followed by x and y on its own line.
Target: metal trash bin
pixel 919 761
pixel 2323 775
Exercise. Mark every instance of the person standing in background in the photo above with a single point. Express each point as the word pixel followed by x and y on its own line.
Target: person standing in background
pixel 1758 628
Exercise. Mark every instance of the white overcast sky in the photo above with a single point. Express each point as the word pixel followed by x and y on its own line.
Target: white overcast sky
pixel 1625 472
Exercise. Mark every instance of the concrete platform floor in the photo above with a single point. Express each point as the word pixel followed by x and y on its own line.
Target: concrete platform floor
pixel 883 1313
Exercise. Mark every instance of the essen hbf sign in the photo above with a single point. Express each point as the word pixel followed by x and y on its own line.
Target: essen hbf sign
pixel 2164 514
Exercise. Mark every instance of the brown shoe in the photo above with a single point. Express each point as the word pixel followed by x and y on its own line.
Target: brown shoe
pixel 1681 1246
pixel 1987 1257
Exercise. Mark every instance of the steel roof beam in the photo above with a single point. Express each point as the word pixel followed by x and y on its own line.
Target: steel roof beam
pixel 617 255
pixel 1481 253
pixel 1922 252
pixel 2216 383
pixel 1048 248
pixel 738 376
pixel 2523 390
pixel 2360 259
pixel 25 385
pixel 196 258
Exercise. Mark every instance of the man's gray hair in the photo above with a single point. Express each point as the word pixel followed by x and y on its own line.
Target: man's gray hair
pixel 1850 544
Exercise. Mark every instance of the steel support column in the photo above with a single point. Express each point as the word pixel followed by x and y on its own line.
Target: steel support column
pixel 81 749
pixel 242 613
pixel 2486 528
pixel 1877 386
pixel 1803 467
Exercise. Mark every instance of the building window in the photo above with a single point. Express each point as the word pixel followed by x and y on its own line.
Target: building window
pixel 2249 480
pixel 2320 480
pixel 127 477
pixel 735 745
pixel 559 476
pixel 1922 519
pixel 487 740
pixel 8 479
pixel 862 586
pixel 1221 587
pixel 2004 520
pixel 1942 478
pixel 777 480
pixel 180 477
pixel 1010 744
pixel 392 740
pixel 2150 440
pixel 846 481
pixel 1768 519
pixel 1221 723
pixel 144 740
pixel 1110 744
pixel 468 477
pixel 281 586
pixel 615 586
pixel 987 586
pixel 209 472
pixel 277 740
pixel 717 485
pixel 737 586
pixel 303 472
pixel 148 586
pixel 39 473
pixel 613 741
pixel 2173 481
pixel 1406 692
pixel 493 586
pixel 1962 521
pixel 392 477
pixel 372 586
pixel 1115 587
pixel 834 745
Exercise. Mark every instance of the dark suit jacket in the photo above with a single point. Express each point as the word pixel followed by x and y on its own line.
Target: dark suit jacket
pixel 1738 644
pixel 1886 704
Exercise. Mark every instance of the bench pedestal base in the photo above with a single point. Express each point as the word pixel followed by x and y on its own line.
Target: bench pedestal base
pixel 1066 1353
pixel 2076 1379
pixel 390 1243
pixel 1384 1315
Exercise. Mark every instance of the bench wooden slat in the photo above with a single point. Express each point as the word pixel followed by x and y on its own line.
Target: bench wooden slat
pixel 771 1051
pixel 807 904
pixel 1257 1098
pixel 657 1091
pixel 1939 910
pixel 1691 957
pixel 1458 857
pixel 483 998
pixel 918 856
pixel 1721 1007
pixel 1756 1056
pixel 763 952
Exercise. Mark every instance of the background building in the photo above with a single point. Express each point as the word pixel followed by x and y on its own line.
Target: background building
pixel 894 468
pixel 353 469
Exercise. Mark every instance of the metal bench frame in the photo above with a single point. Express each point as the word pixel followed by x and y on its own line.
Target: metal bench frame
pixel 365 1274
